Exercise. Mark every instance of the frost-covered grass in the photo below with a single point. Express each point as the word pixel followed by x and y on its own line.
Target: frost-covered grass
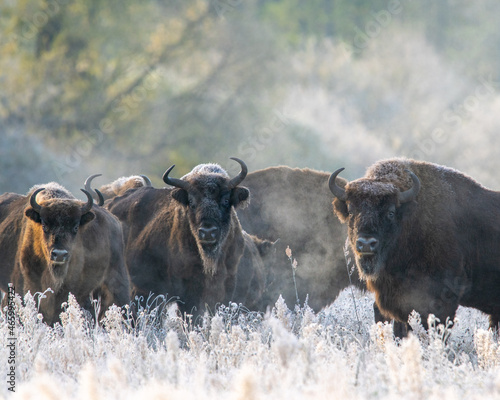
pixel 236 354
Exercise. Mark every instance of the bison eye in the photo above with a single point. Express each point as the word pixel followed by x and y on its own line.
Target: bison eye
pixel 225 202
pixel 45 228
pixel 192 204
pixel 391 215
pixel 75 229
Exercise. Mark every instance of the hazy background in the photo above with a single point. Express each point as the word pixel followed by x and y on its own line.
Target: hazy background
pixel 124 87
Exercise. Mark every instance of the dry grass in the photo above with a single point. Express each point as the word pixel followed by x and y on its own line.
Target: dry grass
pixel 236 354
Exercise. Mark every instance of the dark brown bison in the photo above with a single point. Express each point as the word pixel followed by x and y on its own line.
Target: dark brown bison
pixel 425 238
pixel 251 275
pixel 294 206
pixel 68 246
pixel 185 241
pixel 11 220
pixel 250 289
pixel 117 187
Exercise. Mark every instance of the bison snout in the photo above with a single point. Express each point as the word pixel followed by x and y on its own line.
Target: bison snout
pixel 367 245
pixel 208 234
pixel 59 256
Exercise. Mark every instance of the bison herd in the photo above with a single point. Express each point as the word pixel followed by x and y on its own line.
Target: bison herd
pixel 423 237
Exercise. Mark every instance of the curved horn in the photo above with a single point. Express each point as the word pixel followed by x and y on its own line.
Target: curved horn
pixel 337 191
pixel 37 207
pixel 90 201
pixel 146 180
pixel 101 198
pixel 88 182
pixel 243 173
pixel 173 181
pixel 410 194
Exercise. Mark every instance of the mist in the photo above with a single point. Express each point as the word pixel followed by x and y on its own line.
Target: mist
pixel 134 88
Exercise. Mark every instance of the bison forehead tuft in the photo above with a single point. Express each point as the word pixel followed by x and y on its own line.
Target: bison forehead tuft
pixel 392 171
pixel 133 181
pixel 207 177
pixel 209 184
pixel 61 209
pixel 367 188
pixel 52 190
pixel 206 169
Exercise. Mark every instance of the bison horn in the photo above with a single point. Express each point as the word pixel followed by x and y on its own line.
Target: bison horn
pixel 101 198
pixel 37 207
pixel 88 188
pixel 173 181
pixel 337 191
pixel 238 179
pixel 90 201
pixel 147 181
pixel 410 194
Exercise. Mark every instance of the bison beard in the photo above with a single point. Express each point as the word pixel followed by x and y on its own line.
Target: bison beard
pixel 425 238
pixel 211 244
pixel 211 254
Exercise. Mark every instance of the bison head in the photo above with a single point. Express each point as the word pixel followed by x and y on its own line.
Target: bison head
pixel 209 196
pixel 373 210
pixel 58 220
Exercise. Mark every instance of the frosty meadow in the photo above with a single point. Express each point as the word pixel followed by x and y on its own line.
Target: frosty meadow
pixel 236 354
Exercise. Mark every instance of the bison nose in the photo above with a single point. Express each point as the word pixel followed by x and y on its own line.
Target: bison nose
pixel 208 234
pixel 367 244
pixel 59 256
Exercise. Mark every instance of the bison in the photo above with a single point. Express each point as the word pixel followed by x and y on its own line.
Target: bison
pixel 67 246
pixel 251 276
pixel 294 206
pixel 185 240
pixel 425 237
pixel 10 230
pixel 117 187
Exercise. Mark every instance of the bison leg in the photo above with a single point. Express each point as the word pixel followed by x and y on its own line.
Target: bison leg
pixel 494 321
pixel 18 282
pixel 116 286
pixel 50 303
pixel 50 306
pixel 230 288
pixel 400 329
pixel 377 314
pixel 215 289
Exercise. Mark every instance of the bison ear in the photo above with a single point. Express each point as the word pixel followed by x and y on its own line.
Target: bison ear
pixel 181 196
pixel 340 209
pixel 87 217
pixel 33 215
pixel 240 195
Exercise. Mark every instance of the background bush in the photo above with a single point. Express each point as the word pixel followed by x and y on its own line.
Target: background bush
pixel 133 87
